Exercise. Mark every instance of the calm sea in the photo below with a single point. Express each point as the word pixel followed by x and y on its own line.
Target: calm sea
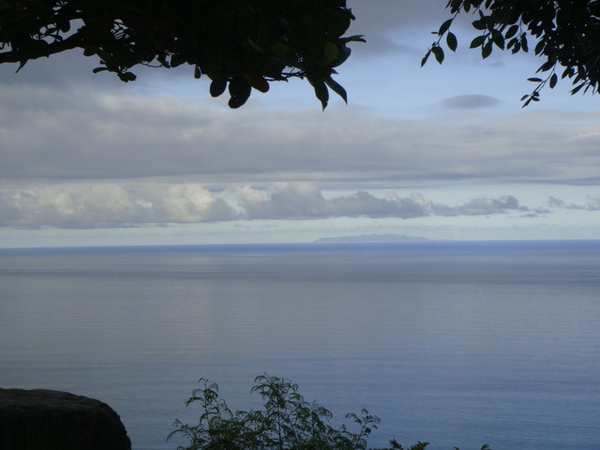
pixel 448 342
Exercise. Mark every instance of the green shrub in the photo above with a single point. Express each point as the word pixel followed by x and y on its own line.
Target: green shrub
pixel 285 422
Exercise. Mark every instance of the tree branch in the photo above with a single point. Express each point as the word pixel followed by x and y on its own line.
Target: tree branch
pixel 22 56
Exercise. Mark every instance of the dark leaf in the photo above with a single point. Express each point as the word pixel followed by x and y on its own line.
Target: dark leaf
pixel 218 86
pixel 576 89
pixel 539 47
pixel 343 55
pixel 445 26
pixel 438 52
pixel 451 41
pixel 479 24
pixel 260 84
pixel 425 58
pixel 546 66
pixel 553 80
pixel 337 88
pixel 239 90
pixel 477 42
pixel 511 31
pixel 535 80
pixel 126 76
pixel 486 50
pixel 524 45
pixel 498 39
pixel 330 52
pixel 197 72
pixel 321 91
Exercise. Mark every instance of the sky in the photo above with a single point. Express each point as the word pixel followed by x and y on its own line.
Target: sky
pixel 441 152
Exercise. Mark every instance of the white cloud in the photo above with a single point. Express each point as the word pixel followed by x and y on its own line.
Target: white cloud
pixel 113 204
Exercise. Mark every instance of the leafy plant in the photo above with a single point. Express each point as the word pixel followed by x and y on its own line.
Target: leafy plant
pixel 285 422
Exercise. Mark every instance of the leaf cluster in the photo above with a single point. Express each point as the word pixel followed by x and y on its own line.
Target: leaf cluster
pixel 286 422
pixel 239 44
pixel 563 33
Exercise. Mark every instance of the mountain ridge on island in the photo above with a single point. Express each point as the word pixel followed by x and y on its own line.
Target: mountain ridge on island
pixel 371 238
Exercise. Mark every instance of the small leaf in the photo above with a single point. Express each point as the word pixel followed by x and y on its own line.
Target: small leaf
pixel 239 91
pixel 512 43
pixel 498 39
pixel 553 80
pixel 479 25
pixel 197 72
pixel 486 50
pixel 524 45
pixel 438 52
pixel 535 80
pixel 477 42
pixel 445 26
pixel 451 41
pixel 576 89
pixel 337 88
pixel 126 76
pixel 321 92
pixel 425 58
pixel 260 84
pixel 343 55
pixel 218 86
pixel 330 53
pixel 511 31
pixel 539 47
pixel 546 66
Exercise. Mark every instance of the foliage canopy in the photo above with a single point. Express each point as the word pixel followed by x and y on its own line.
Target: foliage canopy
pixel 246 44
pixel 238 44
pixel 562 32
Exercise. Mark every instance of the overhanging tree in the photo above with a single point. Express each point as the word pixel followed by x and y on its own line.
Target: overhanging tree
pixel 564 33
pixel 246 44
pixel 238 44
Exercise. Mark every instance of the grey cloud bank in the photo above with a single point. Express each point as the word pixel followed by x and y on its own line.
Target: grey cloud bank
pixel 108 136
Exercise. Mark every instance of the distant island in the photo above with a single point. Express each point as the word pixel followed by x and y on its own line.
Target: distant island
pixel 371 238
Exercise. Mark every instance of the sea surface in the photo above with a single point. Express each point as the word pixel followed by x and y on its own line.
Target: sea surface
pixel 454 343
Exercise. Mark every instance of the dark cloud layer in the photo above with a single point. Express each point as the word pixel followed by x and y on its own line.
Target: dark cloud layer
pixel 469 102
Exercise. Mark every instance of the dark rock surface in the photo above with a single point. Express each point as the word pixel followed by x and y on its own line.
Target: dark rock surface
pixel 41 419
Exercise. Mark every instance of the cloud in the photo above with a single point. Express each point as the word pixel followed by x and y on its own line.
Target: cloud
pixel 110 136
pixel 110 204
pixel 107 205
pixel 592 204
pixel 469 101
pixel 480 206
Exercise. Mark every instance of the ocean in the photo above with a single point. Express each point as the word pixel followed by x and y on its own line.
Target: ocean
pixel 454 343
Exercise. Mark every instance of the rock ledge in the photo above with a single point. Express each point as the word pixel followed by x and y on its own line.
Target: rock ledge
pixel 42 419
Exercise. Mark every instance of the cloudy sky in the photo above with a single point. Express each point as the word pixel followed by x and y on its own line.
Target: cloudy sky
pixel 442 152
